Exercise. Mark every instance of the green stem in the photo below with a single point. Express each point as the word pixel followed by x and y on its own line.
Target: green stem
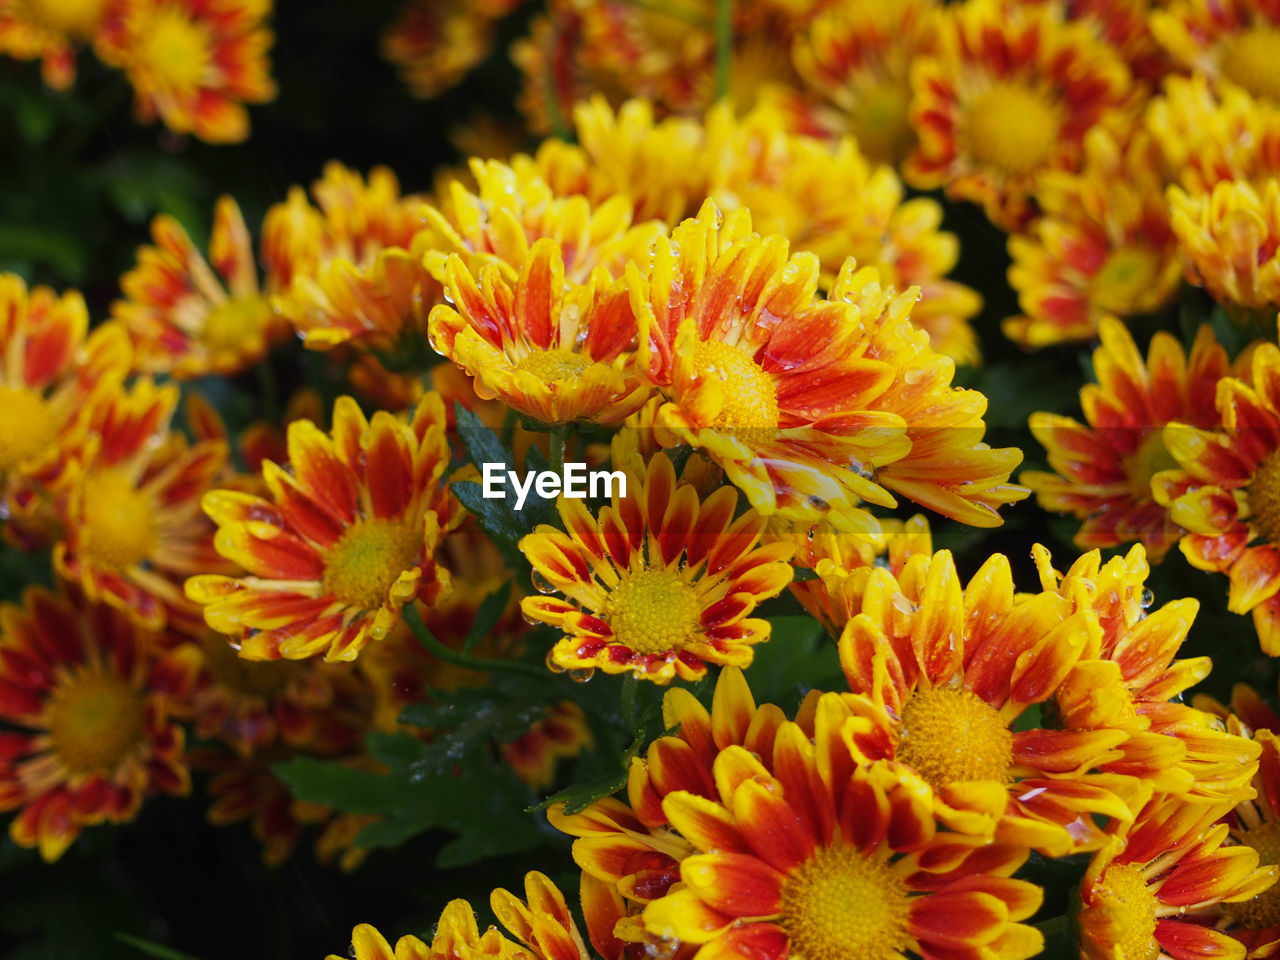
pixel 268 393
pixel 559 440
pixel 459 659
pixel 724 46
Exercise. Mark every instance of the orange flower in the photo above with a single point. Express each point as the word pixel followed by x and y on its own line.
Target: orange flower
pixel 1104 469
pixel 193 63
pixel 561 733
pixel 825 858
pixel 89 735
pixel 133 527
pixel 1009 94
pixel 1102 248
pixel 345 541
pixel 1256 824
pixel 934 667
pixel 434 44
pixel 1229 239
pixel 810 405
pixel 659 584
pixel 1226 496
pixel 50 31
pixel 1236 41
pixel 51 375
pixel 1147 889
pixel 187 318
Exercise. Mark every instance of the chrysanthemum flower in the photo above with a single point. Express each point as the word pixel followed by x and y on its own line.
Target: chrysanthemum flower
pixel 1148 889
pixel 1235 41
pixel 560 734
pixel 194 64
pixel 659 584
pixel 1125 26
pixel 1009 94
pixel 89 735
pixel 1229 239
pixel 434 45
pixel 1227 493
pixel 1128 679
pixel 1104 466
pixel 810 405
pixel 346 540
pixel 858 57
pixel 131 514
pixel 825 858
pixel 188 316
pixel 1255 823
pixel 50 31
pixel 52 371
pixel 941 675
pixel 1101 248
pixel 556 75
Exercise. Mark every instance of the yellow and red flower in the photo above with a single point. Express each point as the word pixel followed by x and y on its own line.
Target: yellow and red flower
pixel 346 540
pixel 1102 247
pixel 1227 41
pixel 89 736
pixel 822 858
pixel 434 45
pixel 1153 890
pixel 810 405
pixel 560 734
pixel 1229 240
pixel 660 584
pixel 1226 494
pixel 1256 824
pixel 940 676
pixel 52 372
pixel 1104 467
pixel 50 31
pixel 1009 93
pixel 131 512
pixel 194 64
pixel 188 316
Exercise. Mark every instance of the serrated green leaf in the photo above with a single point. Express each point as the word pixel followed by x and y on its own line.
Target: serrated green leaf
pixel 481 443
pixel 579 796
pixel 487 616
pixel 495 517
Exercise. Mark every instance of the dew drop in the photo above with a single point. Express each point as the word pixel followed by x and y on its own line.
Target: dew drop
pixel 582 674
pixel 542 584
pixel 551 662
pixel 1147 599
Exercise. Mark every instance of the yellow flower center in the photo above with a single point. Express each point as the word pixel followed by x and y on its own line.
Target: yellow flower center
pixel 261 678
pixel 1150 458
pixel 361 567
pixel 1252 59
pixel 749 399
pixel 94 721
pixel 1012 129
pixel 880 122
pixel 1264 909
pixel 653 611
pixel 840 904
pixel 1127 275
pixel 235 324
pixel 176 49
pixel 1264 499
pixel 72 18
pixel 27 425
pixel 550 366
pixel 1132 908
pixel 953 736
pixel 119 524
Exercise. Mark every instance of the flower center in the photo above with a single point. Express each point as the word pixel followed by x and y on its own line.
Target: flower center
pixel 749 400
pixel 840 904
pixel 361 567
pixel 262 678
pixel 1012 128
pixel 880 122
pixel 1264 499
pixel 1252 59
pixel 550 366
pixel 73 18
pixel 953 736
pixel 1126 276
pixel 176 48
pixel 27 425
pixel 1133 908
pixel 235 324
pixel 1264 909
pixel 119 525
pixel 94 720
pixel 1150 458
pixel 653 611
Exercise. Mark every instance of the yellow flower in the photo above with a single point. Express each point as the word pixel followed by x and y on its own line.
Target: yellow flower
pixel 1229 240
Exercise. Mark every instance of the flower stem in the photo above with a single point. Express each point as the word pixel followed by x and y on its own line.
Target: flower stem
pixel 459 659
pixel 559 440
pixel 724 46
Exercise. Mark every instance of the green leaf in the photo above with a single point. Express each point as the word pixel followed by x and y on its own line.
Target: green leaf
pixel 579 796
pixel 496 517
pixel 491 610
pixel 481 443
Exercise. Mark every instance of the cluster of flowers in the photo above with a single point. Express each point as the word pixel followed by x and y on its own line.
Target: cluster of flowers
pixel 193 64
